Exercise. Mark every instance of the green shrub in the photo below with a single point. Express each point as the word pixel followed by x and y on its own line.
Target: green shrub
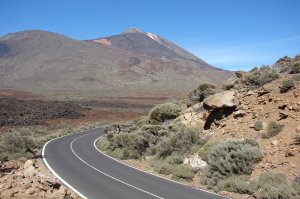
pixel 200 93
pixel 183 171
pixel 163 112
pixel 260 77
pixel 14 146
pixel 103 144
pixel 17 143
pixel 3 157
pixel 117 128
pixel 179 141
pixel 274 186
pixel 273 129
pixel 295 68
pixel 258 125
pixel 205 150
pixel 175 158
pixel 229 84
pixel 237 184
pixel 253 69
pixel 296 78
pixel 296 183
pixel 116 153
pixel 163 168
pixel 286 85
pixel 234 157
pixel 211 179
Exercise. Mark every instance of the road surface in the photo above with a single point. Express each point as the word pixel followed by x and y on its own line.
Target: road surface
pixel 75 160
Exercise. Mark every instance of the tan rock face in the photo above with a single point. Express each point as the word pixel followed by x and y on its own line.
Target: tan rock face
pixel 220 100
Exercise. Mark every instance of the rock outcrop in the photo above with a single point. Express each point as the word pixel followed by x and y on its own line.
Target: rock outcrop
pixel 223 99
pixel 30 180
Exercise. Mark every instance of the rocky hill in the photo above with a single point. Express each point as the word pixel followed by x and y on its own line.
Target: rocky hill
pixel 133 63
pixel 240 139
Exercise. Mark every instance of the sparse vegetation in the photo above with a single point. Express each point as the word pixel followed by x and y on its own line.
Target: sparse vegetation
pixel 15 146
pixel 200 93
pixel 286 85
pixel 258 125
pixel 274 186
pixel 273 129
pixel 180 141
pixel 229 84
pixel 295 68
pixel 260 77
pixel 166 111
pixel 183 171
pixel 296 78
pixel 205 150
pixel 234 157
pixel 237 184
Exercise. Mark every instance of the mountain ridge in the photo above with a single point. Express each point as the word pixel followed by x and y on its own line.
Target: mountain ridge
pixel 134 64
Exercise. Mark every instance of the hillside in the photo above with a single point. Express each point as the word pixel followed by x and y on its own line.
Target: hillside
pixel 132 64
pixel 240 138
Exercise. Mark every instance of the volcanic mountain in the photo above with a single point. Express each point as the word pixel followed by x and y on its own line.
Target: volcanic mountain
pixel 131 64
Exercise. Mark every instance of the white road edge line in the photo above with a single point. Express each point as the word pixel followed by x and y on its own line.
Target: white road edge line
pixel 149 172
pixel 52 170
pixel 71 145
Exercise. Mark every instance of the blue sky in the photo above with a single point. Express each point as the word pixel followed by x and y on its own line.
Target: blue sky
pixel 231 34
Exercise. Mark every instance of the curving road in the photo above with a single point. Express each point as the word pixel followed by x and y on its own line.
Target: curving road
pixel 91 174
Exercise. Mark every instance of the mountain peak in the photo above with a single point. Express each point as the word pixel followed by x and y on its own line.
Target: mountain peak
pixel 132 30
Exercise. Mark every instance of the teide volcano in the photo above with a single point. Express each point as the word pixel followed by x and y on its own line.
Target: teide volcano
pixel 133 63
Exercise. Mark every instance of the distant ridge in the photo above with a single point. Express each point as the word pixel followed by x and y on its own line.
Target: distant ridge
pixel 133 63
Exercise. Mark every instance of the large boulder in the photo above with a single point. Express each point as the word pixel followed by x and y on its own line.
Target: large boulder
pixel 223 99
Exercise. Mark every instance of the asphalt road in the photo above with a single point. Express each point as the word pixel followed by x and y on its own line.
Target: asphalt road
pixel 78 164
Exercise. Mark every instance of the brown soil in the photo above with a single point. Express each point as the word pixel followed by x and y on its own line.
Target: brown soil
pixel 266 108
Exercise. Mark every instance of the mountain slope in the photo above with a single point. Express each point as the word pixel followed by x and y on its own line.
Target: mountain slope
pixel 130 64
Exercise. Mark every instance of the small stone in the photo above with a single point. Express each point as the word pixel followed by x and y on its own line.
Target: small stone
pixel 29 172
pixel 28 163
pixel 289 153
pixel 274 142
pixel 249 93
pixel 31 190
pixel 282 115
pixel 283 106
pixel 298 129
pixel 239 113
pixel 290 107
pixel 292 165
pixel 62 191
pixel 225 193
pixel 26 181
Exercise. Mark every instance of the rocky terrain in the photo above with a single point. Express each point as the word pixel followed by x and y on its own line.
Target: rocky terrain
pixel 30 179
pixel 240 139
pixel 29 121
pixel 131 64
